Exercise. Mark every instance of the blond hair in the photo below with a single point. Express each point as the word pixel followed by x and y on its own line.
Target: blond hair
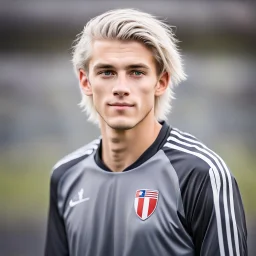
pixel 129 24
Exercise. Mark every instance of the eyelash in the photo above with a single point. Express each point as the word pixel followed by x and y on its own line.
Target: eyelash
pixel 110 71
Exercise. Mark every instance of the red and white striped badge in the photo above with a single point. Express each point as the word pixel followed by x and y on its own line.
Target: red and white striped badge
pixel 145 202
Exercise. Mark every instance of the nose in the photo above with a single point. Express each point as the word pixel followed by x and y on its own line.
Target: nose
pixel 121 87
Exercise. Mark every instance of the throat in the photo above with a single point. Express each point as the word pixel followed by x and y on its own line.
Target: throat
pixel 117 157
pixel 120 152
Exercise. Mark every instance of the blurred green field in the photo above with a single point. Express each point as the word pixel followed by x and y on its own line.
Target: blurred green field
pixel 24 192
pixel 24 185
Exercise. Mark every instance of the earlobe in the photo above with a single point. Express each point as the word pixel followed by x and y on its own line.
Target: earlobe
pixel 84 83
pixel 162 84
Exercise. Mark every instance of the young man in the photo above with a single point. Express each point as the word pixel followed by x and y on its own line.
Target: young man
pixel 143 187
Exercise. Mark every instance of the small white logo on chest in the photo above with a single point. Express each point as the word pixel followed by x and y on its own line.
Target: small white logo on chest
pixel 80 199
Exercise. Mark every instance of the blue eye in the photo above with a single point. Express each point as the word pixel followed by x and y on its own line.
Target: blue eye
pixel 107 73
pixel 137 73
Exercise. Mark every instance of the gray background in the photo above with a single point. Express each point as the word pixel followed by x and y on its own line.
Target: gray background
pixel 40 121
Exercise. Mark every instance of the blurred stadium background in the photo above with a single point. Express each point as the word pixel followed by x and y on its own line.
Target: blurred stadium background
pixel 41 122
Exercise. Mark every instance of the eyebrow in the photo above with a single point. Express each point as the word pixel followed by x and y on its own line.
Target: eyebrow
pixel 106 66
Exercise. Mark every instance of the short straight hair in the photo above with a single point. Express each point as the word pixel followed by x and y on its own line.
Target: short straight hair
pixel 128 25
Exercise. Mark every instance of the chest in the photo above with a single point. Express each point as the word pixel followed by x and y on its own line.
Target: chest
pixel 137 210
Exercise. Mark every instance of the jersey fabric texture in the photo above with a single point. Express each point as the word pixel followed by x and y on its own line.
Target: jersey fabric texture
pixel 178 198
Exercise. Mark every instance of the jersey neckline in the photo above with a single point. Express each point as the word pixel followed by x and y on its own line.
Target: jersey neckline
pixel 152 150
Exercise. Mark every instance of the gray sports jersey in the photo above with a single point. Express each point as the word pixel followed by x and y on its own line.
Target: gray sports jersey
pixel 178 198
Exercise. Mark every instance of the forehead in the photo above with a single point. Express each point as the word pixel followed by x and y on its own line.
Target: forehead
pixel 118 53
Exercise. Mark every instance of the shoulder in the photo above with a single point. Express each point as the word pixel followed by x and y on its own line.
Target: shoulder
pixel 210 194
pixel 64 164
pixel 187 154
pixel 201 172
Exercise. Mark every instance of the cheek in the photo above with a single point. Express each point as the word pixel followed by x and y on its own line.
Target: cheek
pixel 147 93
pixel 147 87
pixel 99 91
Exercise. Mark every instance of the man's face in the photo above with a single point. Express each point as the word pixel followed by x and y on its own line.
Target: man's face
pixel 122 81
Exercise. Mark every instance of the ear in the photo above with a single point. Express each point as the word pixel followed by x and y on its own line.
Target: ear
pixel 162 83
pixel 84 83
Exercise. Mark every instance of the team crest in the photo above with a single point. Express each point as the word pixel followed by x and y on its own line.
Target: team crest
pixel 145 202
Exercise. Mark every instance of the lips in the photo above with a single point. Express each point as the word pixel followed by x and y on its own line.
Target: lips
pixel 121 104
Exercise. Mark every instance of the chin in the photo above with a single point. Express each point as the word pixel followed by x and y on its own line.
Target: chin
pixel 121 124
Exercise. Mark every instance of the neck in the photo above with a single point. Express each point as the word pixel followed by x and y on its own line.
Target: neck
pixel 121 148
